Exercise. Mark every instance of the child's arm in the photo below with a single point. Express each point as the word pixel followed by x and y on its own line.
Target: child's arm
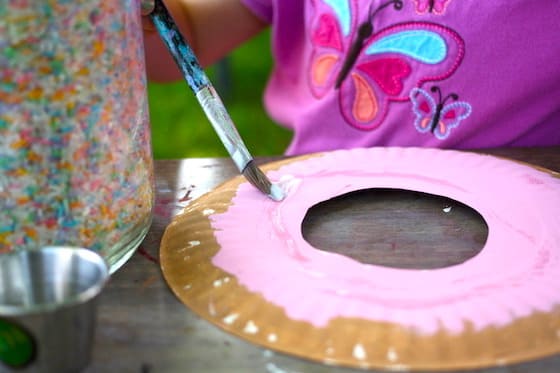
pixel 212 27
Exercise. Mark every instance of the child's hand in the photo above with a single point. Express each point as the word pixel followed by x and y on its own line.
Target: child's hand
pixel 212 27
pixel 147 6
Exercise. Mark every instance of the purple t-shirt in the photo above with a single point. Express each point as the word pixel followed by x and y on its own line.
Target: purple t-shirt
pixel 443 73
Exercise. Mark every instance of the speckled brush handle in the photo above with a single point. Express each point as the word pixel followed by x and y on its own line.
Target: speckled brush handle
pixel 200 84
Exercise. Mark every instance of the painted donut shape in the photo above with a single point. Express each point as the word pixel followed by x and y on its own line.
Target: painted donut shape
pixel 267 284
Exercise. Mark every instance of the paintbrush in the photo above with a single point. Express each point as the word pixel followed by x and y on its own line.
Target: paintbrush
pixel 209 100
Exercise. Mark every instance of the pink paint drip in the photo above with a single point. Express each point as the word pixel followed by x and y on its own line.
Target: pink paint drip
pixel 514 275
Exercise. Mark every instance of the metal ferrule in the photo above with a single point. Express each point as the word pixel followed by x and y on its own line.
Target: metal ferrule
pixel 223 125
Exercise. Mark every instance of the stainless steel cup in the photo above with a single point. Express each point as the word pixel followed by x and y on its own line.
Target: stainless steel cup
pixel 47 308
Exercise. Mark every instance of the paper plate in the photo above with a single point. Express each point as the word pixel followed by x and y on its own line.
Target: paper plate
pixel 493 309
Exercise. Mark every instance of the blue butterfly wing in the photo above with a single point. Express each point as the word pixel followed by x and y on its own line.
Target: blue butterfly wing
pixel 425 46
pixel 342 10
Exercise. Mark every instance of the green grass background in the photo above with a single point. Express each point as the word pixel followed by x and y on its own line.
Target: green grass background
pixel 180 128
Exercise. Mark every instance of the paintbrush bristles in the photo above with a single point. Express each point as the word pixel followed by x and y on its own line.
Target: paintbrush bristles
pixel 258 179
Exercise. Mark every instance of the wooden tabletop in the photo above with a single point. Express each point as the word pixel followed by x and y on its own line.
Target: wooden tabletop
pixel 142 327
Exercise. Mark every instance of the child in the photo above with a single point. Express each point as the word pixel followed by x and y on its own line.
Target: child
pixel 358 73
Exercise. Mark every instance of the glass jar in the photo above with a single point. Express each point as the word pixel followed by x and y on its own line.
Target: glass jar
pixel 75 153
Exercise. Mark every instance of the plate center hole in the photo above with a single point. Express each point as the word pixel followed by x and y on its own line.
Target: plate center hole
pixel 396 228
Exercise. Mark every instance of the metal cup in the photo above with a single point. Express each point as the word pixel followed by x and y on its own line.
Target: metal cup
pixel 47 308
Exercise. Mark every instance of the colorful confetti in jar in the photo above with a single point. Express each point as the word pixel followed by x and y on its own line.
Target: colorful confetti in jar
pixel 75 153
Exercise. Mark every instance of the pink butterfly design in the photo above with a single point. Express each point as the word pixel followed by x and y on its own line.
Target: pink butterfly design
pixel 431 6
pixel 439 117
pixel 372 69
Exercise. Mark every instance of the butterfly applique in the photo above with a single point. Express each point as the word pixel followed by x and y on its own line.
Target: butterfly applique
pixel 440 117
pixel 371 69
pixel 431 6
